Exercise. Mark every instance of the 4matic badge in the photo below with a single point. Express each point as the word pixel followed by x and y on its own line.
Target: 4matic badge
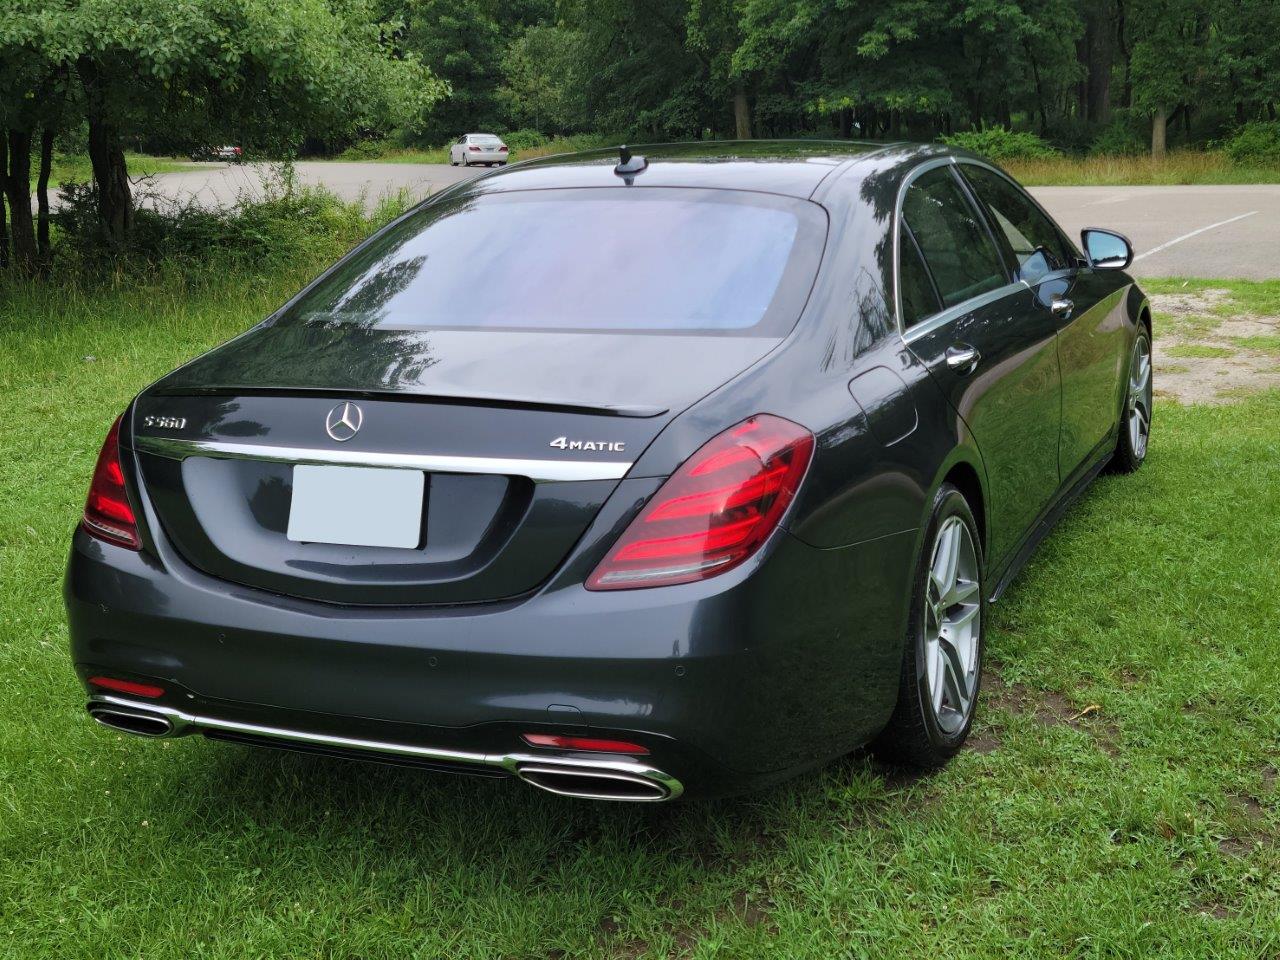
pixel 612 446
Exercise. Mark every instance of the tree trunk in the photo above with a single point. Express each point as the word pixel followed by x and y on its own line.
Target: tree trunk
pixel 1099 33
pixel 110 175
pixel 1158 132
pixel 741 112
pixel 42 194
pixel 4 220
pixel 17 188
pixel 845 119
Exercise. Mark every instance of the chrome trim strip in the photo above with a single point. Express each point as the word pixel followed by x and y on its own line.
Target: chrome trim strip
pixel 604 765
pixel 960 309
pixel 541 471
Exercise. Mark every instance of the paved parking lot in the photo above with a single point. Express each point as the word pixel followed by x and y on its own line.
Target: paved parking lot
pixel 1199 231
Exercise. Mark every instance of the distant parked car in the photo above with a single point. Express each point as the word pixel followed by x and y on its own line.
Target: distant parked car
pixel 227 153
pixel 472 148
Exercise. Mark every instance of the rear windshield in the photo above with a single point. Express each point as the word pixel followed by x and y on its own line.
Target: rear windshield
pixel 602 260
pixel 484 138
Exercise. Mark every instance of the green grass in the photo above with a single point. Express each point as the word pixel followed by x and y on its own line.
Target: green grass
pixel 75 168
pixel 1267 343
pixel 1121 800
pixel 384 152
pixel 1199 350
pixel 1178 167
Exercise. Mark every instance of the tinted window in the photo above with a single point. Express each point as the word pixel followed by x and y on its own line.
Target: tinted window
pixel 1035 242
pixel 628 259
pixel 919 299
pixel 955 242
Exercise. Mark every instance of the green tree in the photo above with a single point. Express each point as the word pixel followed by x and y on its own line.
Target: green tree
pixel 255 71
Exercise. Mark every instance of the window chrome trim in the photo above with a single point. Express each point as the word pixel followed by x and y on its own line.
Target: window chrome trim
pixel 942 318
pixel 540 471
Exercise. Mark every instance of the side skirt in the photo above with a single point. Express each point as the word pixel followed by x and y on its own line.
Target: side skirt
pixel 1048 521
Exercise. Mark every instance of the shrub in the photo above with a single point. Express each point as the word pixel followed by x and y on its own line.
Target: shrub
pixel 1254 143
pixel 524 139
pixel 1119 139
pixel 369 149
pixel 999 143
pixel 287 223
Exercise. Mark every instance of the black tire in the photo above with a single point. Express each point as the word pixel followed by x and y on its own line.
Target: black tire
pixel 1135 436
pixel 916 735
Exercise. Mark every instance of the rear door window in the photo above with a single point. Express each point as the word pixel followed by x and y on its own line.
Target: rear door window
pixel 915 288
pixel 1036 244
pixel 953 238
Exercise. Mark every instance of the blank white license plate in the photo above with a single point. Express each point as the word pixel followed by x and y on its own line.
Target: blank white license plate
pixel 356 506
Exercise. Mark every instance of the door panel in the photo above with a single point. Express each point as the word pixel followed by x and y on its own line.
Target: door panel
pixel 992 350
pixel 1010 402
pixel 1092 342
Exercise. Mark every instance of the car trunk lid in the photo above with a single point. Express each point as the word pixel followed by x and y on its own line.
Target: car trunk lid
pixel 517 455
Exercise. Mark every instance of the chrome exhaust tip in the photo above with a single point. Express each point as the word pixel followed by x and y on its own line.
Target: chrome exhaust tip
pixel 141 723
pixel 587 782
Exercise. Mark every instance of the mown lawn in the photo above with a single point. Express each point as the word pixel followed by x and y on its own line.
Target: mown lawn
pixel 1119 798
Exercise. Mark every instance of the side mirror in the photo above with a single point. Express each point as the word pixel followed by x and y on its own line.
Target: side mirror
pixel 1106 249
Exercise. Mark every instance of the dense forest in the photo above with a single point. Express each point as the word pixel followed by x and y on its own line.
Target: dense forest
pixel 1119 75
pixel 98 77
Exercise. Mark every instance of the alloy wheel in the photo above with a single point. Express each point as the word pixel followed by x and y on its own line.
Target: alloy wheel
pixel 952 625
pixel 1139 408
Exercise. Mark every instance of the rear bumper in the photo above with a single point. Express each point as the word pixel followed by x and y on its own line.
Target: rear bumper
pixel 730 683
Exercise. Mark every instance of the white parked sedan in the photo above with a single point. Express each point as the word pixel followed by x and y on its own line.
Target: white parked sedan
pixel 472 148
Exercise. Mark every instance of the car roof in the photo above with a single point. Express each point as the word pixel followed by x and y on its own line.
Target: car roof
pixel 790 167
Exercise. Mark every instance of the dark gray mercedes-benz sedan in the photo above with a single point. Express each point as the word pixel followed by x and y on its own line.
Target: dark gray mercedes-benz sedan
pixel 629 474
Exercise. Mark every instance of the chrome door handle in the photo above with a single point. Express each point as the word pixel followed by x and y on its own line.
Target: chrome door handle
pixel 963 357
pixel 1061 307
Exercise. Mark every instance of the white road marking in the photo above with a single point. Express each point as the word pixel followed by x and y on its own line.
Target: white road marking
pixel 1193 233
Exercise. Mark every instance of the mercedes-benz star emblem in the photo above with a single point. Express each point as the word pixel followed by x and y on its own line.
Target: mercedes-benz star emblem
pixel 343 421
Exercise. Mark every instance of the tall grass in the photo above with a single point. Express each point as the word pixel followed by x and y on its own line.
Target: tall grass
pixel 1179 167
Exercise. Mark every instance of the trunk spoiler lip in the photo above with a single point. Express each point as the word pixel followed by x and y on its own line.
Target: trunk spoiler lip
pixel 552 405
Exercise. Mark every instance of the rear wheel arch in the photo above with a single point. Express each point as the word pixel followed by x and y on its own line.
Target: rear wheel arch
pixel 964 476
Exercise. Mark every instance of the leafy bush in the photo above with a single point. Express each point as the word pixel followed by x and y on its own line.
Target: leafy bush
pixel 374 149
pixel 1254 143
pixel 286 224
pixel 519 140
pixel 1118 139
pixel 999 143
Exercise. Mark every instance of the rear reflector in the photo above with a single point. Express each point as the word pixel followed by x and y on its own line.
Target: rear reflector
pixel 715 511
pixel 107 512
pixel 148 690
pixel 582 743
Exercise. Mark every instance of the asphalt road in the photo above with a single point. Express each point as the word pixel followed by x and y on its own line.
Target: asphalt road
pixel 1205 231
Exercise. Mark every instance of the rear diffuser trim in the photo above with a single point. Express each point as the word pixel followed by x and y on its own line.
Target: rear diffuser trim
pixel 590 767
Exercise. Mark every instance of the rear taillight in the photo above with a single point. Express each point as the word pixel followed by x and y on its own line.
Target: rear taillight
pixel 239 151
pixel 107 513
pixel 503 148
pixel 474 149
pixel 715 511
